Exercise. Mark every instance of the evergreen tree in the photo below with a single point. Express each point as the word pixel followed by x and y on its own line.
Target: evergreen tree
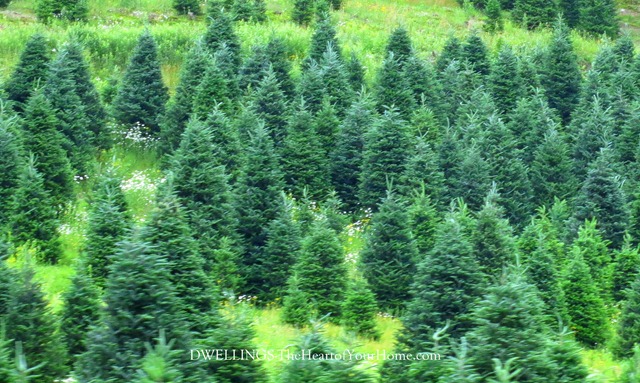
pixel 81 310
pixel 439 293
pixel 399 45
pixel 452 51
pixel 157 366
pixel 10 165
pixel 355 71
pixel 303 161
pixel 201 184
pixel 505 82
pixel 631 370
pixel 426 87
pixel 625 268
pixel 474 51
pixel 8 279
pixel 323 36
pixel 359 310
pixel 596 255
pixel 170 238
pixel 270 104
pixel 552 170
pixel 598 17
pixel 71 10
pixel 141 96
pixel 627 331
pixel 347 154
pixel 327 124
pixel 296 309
pixel 566 354
pixel 423 220
pixel 627 141
pixel 570 10
pixel 321 270
pixel 108 224
pixel 214 92
pixel 422 171
pixel 337 88
pixel 257 202
pixel 226 142
pixel 534 13
pixel 561 75
pixel 219 34
pixel 602 198
pixel 281 251
pixel 140 301
pixel 387 148
pixel 41 138
pixel 389 255
pixel 469 178
pixel 181 105
pixel 187 7
pixel 30 73
pixel 34 218
pixel 494 22
pixel 302 13
pixel 584 305
pixel 510 327
pixel 30 321
pixel 393 90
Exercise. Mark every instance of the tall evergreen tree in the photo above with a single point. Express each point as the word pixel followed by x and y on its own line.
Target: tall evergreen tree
pixel 302 13
pixel 389 255
pixel 423 220
pixel 393 89
pixel 387 148
pixel 591 129
pixel 469 178
pixel 355 72
pixel 30 321
pixel 561 76
pixel 226 142
pixel 321 269
pixel 599 17
pixel 34 218
pixel 596 255
pixel 10 164
pixel 625 269
pixel 327 124
pixel 627 331
pixel 323 36
pixel 494 22
pixel 504 81
pixel 534 13
pixel 214 92
pixel 452 51
pixel 570 10
pixel 427 89
pixel 30 73
pixel 399 45
pixel 270 104
pixel 422 171
pixel 142 95
pixel 220 33
pixel 41 137
pixel 552 170
pixel 474 51
pixel 338 90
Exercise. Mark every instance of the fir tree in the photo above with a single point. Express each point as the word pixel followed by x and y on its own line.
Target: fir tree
pixel 81 310
pixel 10 165
pixel 219 34
pixel 140 301
pixel 591 129
pixel 504 81
pixel 270 104
pixel 469 178
pixel 426 87
pixel 157 366
pixel 393 90
pixel 321 270
pixel 226 142
pixel 422 171
pixel 41 138
pixel 141 96
pixel 8 279
pixel 561 75
pixel 278 53
pixel 181 105
pixel 584 305
pixel 399 45
pixel 423 220
pixel 323 36
pixel 534 13
pixel 327 124
pixel 625 268
pixel 452 51
pixel 302 13
pixel 387 148
pixel 598 17
pixel 570 10
pixel 566 354
pixel 355 71
pixel 389 255
pixel 226 266
pixel 34 218
pixel 296 309
pixel 214 92
pixel 359 310
pixel 494 22
pixel 629 323
pixel 303 161
pixel 593 250
pixel 30 73
pixel 71 10
pixel 30 321
pixel 552 170
pixel 338 90
pixel 631 370
pixel 474 51
pixel 187 7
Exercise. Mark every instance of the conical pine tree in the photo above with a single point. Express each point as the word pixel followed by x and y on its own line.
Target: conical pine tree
pixel 31 71
pixel 10 164
pixel 627 331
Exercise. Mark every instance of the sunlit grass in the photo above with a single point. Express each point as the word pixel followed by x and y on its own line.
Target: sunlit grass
pixel 602 366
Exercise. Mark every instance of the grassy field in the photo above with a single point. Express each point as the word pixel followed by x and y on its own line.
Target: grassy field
pixel 363 27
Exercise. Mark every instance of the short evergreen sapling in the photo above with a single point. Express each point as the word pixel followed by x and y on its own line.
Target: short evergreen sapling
pixel 187 7
pixel 359 310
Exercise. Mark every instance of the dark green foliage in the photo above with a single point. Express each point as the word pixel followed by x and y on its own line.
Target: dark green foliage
pixel 280 252
pixel 140 301
pixel 584 305
pixel 335 78
pixel 625 269
pixel 505 82
pixel 422 171
pixel 227 149
pixel 629 324
pixel 321 270
pixel 474 51
pixel 107 225
pixel 451 52
pixel 234 332
pixel 534 13
pixel 599 17
pixel 303 162
pixel 258 193
pixel 423 220
pixel 570 10
pixel 70 10
pixel 347 154
pixel 359 310
pixel 219 34
pixel 201 183
pixel 592 129
pixel 389 255
pixel 7 281
pixel 624 49
pixel 426 87
pixel 438 292
pixel 270 104
pixel 214 92
pixel 226 266
pixel 81 310
pixel 561 75
pixel 297 310
pixel 10 164
pixel 387 148
pixel 323 36
pixel 469 178
pixel 627 141
pixel 30 321
pixel 602 198
pixel 327 125
pixel 552 170
pixel 31 71
pixel 492 238
pixel 355 71
pixel 170 239
pixel 5 3
pixel 392 89
pixel 303 11
pixel 41 138
pixel 566 354
pixel 494 22
pixel 141 96
pixel 509 324
pixel 181 105
pixel 34 218
pixel 399 45
pixel 275 55
pixel 187 7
